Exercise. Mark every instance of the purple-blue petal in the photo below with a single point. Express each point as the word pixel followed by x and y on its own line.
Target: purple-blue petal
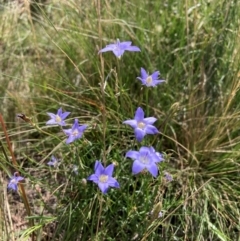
pixel 112 182
pixel 132 154
pixel 124 45
pixel 103 187
pixel 51 122
pixel 98 168
pixel 109 47
pixel 153 169
pixel 82 128
pixel 93 178
pixel 139 134
pixel 118 52
pixel 149 120
pixel 144 74
pixel 155 75
pixel 109 170
pixel 137 167
pixel 70 139
pixel 149 129
pixel 65 115
pixel 139 114
pixel 144 150
pixel 133 49
pixel 132 123
pixel 75 124
pixel 53 116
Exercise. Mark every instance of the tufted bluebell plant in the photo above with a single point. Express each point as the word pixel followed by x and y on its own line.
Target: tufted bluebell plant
pixel 142 126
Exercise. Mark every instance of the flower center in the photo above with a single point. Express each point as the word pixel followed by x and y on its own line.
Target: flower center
pixel 13 181
pixel 75 133
pixel 103 178
pixel 58 118
pixel 144 159
pixel 149 80
pixel 141 125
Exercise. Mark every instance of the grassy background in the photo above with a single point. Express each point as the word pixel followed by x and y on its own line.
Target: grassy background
pixel 49 59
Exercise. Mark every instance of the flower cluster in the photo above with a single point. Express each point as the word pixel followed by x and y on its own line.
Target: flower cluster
pixel 146 159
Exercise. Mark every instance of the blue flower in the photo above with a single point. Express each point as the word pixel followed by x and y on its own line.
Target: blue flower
pixel 141 125
pixel 53 162
pixel 13 184
pixel 145 158
pixel 103 177
pixel 75 132
pixel 58 119
pixel 119 48
pixel 150 80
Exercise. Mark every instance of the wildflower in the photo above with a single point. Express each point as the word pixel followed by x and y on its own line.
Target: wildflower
pixel 53 162
pixel 58 119
pixel 13 184
pixel 141 125
pixel 150 80
pixel 103 177
pixel 119 48
pixel 145 158
pixel 168 177
pixel 75 132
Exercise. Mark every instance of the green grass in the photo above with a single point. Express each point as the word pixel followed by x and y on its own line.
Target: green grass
pixel 49 59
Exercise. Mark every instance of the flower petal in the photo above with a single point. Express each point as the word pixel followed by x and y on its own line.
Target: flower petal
pixel 132 123
pixel 139 114
pixel 133 49
pixel 144 74
pixel 153 169
pixel 149 129
pixel 139 134
pixel 109 170
pixel 112 182
pixel 64 115
pixel 51 122
pixel 98 168
pixel 149 120
pixel 155 75
pixel 137 167
pixel 109 47
pixel 93 178
pixel 103 187
pixel 132 154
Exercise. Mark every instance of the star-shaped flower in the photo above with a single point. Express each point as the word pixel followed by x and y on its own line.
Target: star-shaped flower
pixel 141 125
pixel 13 184
pixel 75 132
pixel 53 162
pixel 58 119
pixel 150 80
pixel 119 48
pixel 103 177
pixel 145 158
